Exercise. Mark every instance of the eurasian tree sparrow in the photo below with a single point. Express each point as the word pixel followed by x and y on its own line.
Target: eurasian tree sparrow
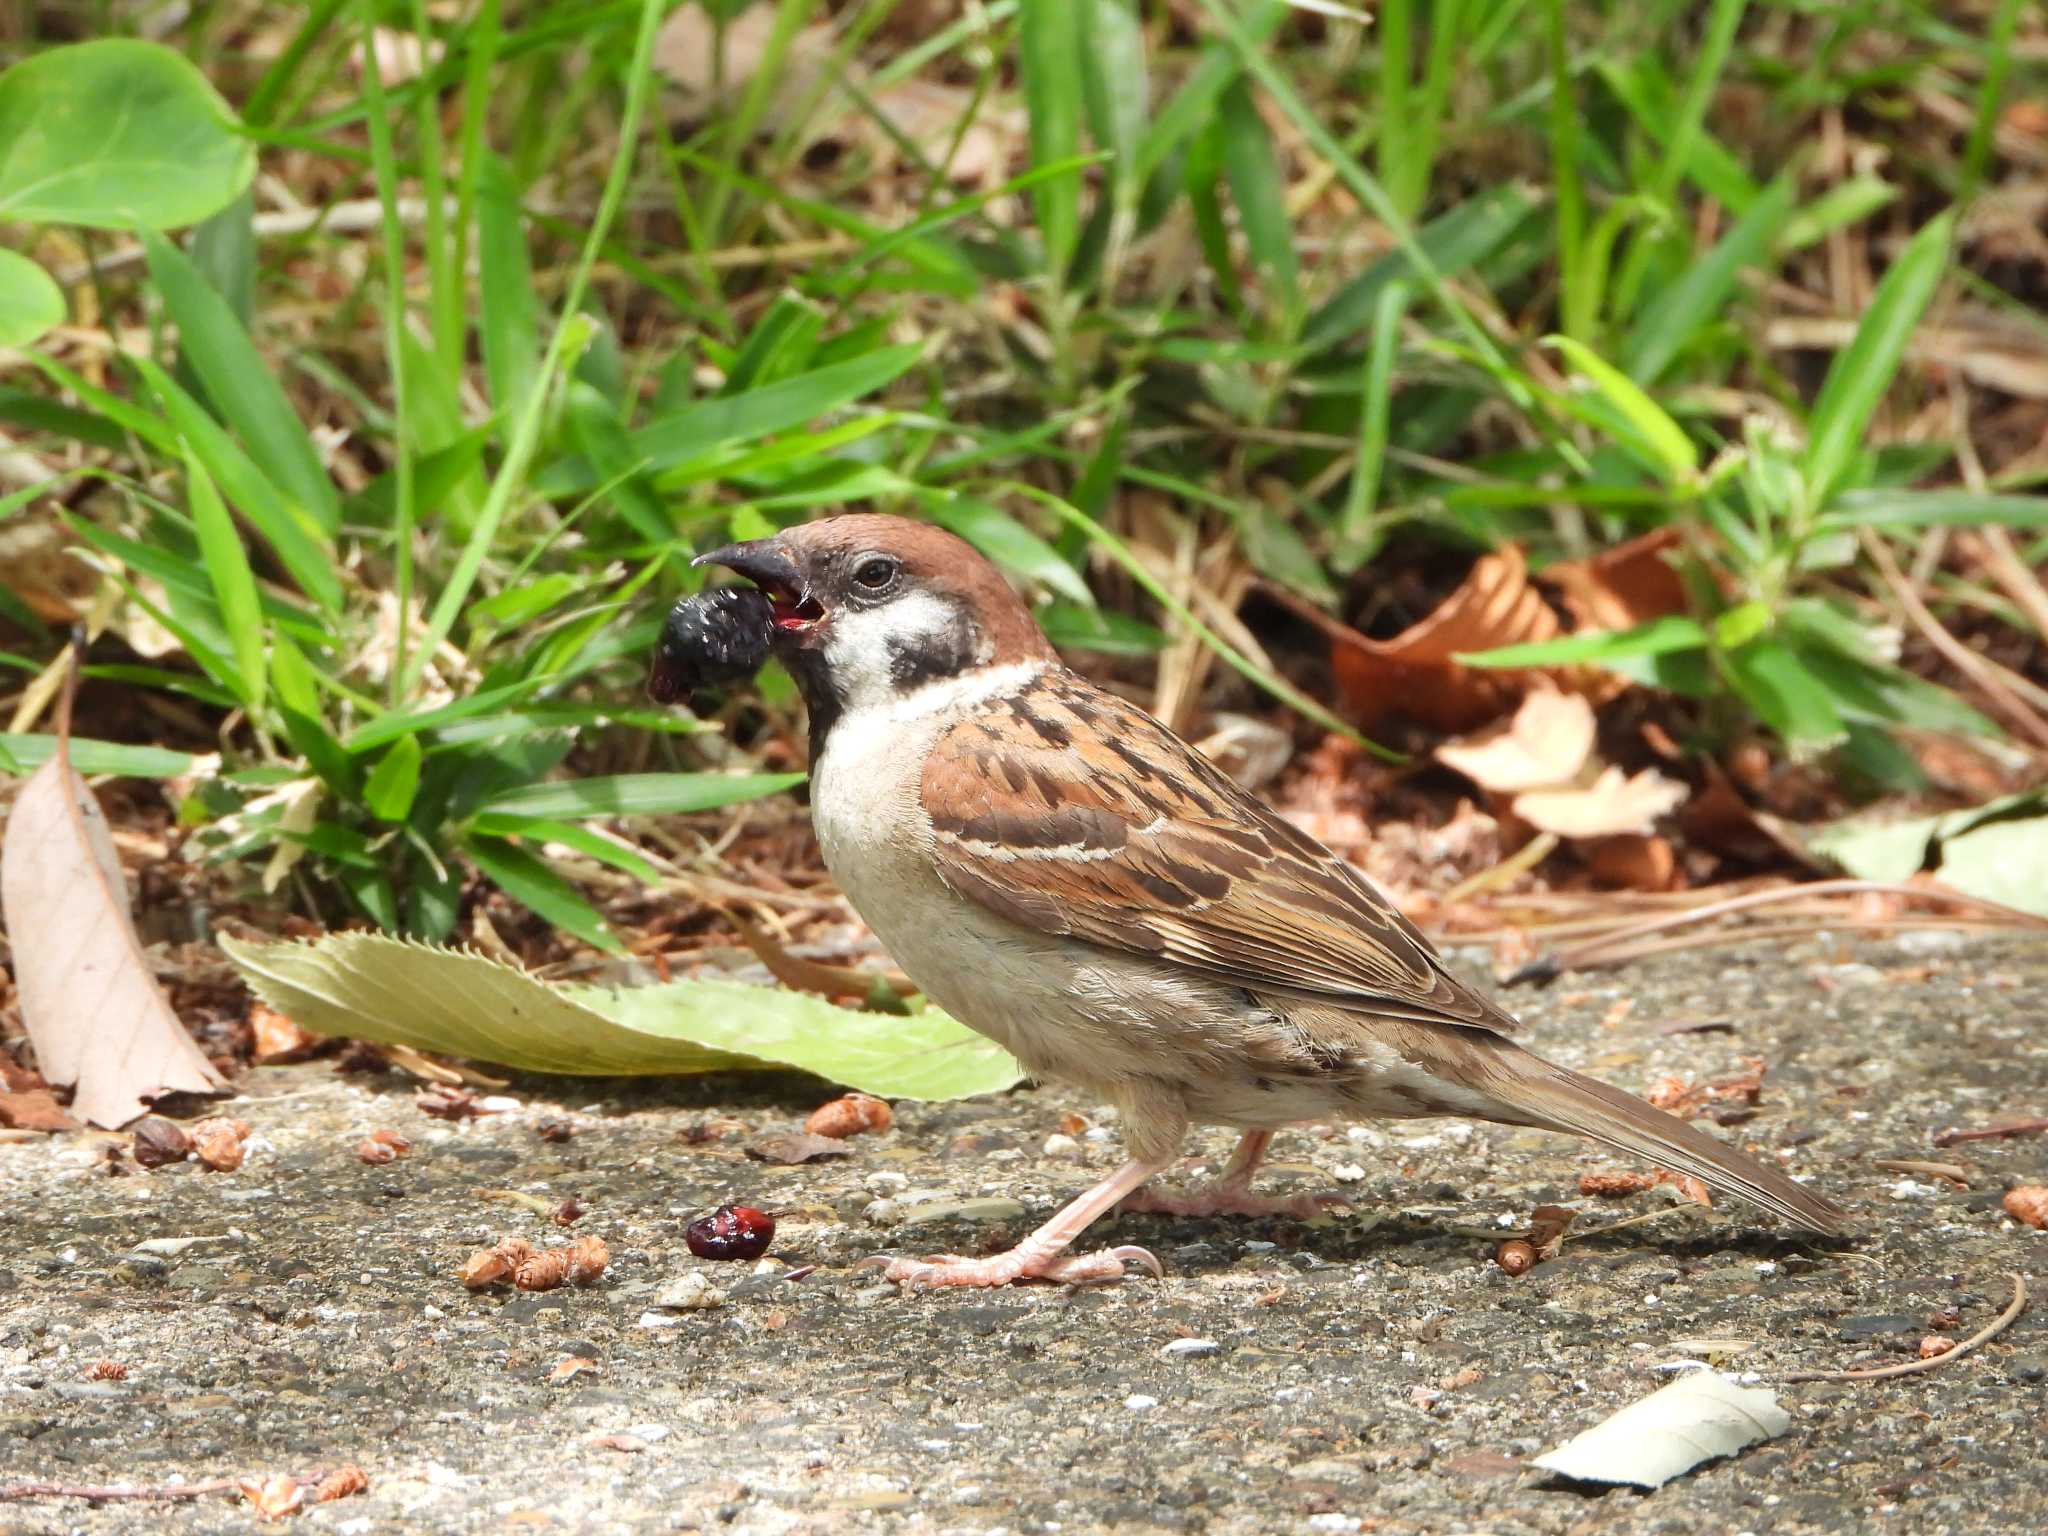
pixel 1057 869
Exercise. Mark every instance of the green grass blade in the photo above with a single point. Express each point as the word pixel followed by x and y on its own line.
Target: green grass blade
pixel 531 883
pixel 234 584
pixel 1670 452
pixel 1864 370
pixel 241 384
pixel 638 794
pixel 1049 67
pixel 1677 316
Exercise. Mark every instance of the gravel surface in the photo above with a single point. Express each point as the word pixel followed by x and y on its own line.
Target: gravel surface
pixel 1370 1372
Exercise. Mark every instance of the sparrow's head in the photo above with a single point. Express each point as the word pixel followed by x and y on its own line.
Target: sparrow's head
pixel 868 608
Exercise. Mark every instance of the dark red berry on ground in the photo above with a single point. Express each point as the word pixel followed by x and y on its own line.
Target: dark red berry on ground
pixel 731 1232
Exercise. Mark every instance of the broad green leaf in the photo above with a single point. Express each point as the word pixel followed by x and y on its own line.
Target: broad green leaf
pixel 234 584
pixel 1658 637
pixel 242 384
pixel 116 134
pixel 2006 862
pixel 395 781
pixel 1009 543
pixel 369 987
pixel 638 794
pixel 97 757
pixel 1863 371
pixel 1669 451
pixel 1102 630
pixel 1878 848
pixel 583 840
pixel 30 300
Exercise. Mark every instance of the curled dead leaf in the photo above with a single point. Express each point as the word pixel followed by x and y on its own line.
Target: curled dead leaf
pixel 218 1143
pixel 1613 803
pixel 341 1483
pixel 273 1497
pixel 89 999
pixel 1622 587
pixel 1416 673
pixel 1547 743
pixel 2028 1203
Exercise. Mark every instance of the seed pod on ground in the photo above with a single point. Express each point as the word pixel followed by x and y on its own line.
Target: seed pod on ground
pixel 731 1232
pixel 850 1116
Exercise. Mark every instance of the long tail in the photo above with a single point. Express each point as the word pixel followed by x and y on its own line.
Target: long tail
pixel 1548 1097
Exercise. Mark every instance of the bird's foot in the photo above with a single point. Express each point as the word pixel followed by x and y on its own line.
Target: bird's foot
pixel 1228 1200
pixel 1018 1264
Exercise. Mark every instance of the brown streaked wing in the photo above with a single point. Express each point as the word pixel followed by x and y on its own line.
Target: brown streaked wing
pixel 1067 810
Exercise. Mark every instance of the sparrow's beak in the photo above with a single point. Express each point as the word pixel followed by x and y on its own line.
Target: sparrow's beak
pixel 770 565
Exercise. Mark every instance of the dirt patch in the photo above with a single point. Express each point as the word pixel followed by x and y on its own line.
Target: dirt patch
pixel 1371 1372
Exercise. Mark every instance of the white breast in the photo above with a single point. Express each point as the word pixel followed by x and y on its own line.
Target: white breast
pixel 1065 1009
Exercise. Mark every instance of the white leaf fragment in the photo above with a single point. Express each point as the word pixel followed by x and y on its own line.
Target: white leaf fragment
pixel 1696 1418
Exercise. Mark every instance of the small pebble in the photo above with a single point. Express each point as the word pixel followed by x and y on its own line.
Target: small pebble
pixel 1187 1349
pixel 885 1183
pixel 1061 1145
pixel 1348 1173
pixel 1137 1402
pixel 688 1292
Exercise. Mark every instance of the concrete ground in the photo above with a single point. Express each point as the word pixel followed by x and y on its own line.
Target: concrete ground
pixel 1375 1372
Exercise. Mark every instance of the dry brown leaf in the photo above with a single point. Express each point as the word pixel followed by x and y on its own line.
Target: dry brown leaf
pixel 218 1143
pixel 1546 743
pixel 1622 587
pixel 88 998
pixel 342 1483
pixel 1612 803
pixel 1415 673
pixel 34 1109
pixel 2028 1203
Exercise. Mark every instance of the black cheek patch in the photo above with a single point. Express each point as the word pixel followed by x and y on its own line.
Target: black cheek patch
pixel 915 660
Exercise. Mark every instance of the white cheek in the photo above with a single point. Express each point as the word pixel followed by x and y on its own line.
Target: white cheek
pixel 858 648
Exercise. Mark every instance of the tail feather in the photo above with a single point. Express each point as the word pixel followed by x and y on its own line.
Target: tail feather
pixel 1556 1098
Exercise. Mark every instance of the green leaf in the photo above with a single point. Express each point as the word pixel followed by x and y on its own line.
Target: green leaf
pixel 583 840
pixel 1259 189
pixel 1115 83
pixel 1875 848
pixel 1653 435
pixel 1009 543
pixel 299 542
pixel 2006 862
pixel 369 987
pixel 1678 315
pixel 1923 509
pixel 96 757
pixel 1102 630
pixel 1784 693
pixel 530 882
pixel 508 314
pixel 116 134
pixel 1657 638
pixel 242 384
pixel 1861 374
pixel 234 584
pixel 638 794
pixel 710 424
pixel 395 781
pixel 30 300
pixel 1049 68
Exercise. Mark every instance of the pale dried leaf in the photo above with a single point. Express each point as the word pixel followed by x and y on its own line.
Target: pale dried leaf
pixel 1612 803
pixel 1547 743
pixel 1700 1416
pixel 88 998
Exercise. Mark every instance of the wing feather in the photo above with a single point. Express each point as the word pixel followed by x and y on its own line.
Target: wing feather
pixel 1081 815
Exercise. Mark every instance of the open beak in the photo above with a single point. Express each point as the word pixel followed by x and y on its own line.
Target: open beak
pixel 768 564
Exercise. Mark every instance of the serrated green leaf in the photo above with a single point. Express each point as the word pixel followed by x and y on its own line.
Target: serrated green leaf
pixel 370 987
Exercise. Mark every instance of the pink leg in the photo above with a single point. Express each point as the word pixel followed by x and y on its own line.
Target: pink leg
pixel 1041 1256
pixel 1231 1192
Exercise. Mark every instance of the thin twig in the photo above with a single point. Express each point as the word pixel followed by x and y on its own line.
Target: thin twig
pixel 1573 959
pixel 1952 1135
pixel 1955 1173
pixel 1995 1327
pixel 102 1493
pixel 1980 669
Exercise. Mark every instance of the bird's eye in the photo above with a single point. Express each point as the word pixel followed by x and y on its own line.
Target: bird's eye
pixel 875 572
